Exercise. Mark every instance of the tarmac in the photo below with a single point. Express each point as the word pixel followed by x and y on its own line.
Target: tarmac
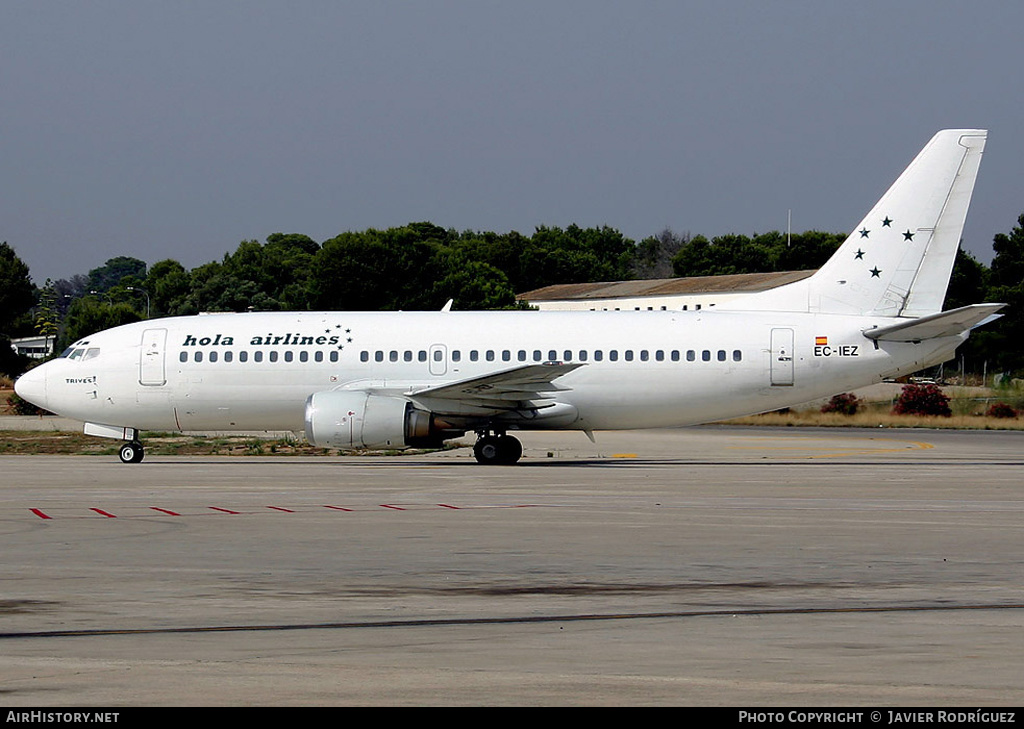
pixel 712 566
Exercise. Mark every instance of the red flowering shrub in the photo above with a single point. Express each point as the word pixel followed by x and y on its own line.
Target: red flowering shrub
pixel 845 403
pixel 1000 410
pixel 922 400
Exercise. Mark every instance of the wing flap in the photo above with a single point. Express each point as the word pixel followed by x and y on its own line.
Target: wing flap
pixel 502 389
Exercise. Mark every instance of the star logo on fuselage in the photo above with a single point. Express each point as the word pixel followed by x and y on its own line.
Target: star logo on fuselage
pixel 875 272
pixel 887 222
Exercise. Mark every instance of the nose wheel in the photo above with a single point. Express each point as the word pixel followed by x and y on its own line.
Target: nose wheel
pixel 131 452
pixel 497 450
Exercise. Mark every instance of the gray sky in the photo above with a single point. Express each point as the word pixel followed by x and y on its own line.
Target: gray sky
pixel 178 129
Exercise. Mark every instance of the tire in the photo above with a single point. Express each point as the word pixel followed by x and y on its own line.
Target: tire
pixel 131 453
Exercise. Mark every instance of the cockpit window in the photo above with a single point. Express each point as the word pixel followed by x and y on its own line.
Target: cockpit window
pixel 67 352
pixel 90 353
pixel 77 354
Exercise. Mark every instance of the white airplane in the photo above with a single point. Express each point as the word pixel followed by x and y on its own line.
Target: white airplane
pixel 401 379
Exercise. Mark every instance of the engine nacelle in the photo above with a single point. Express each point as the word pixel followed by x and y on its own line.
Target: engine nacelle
pixel 357 419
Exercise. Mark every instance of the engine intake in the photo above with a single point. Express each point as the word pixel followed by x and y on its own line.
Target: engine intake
pixel 358 419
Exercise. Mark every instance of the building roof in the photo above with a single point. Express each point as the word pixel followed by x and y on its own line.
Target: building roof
pixel 733 283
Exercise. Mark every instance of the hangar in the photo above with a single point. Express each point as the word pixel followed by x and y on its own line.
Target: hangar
pixel 661 294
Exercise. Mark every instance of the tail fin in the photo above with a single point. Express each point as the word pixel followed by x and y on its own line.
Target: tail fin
pixel 899 259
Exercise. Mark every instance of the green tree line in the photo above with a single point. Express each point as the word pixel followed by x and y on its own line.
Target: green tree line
pixel 422 266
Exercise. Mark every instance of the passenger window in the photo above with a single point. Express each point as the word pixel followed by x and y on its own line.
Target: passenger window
pixel 378 356
pixel 613 355
pixel 288 356
pixel 393 355
pixel 506 355
pixel 438 355
pixel 536 355
pixel 737 355
pixel 183 357
pixel 675 355
pixel 660 355
pixel 598 355
pixel 407 355
pixel 334 355
pixel 644 356
pixel 273 355
pixel 213 356
pixel 583 355
pixel 456 355
pixel 721 355
pixel 228 356
pixel 490 355
pixel 629 355
pixel 199 357
pixel 319 356
pixel 691 356
pixel 303 356
pixel 422 355
pixel 706 355
pixel 522 355
pixel 243 356
pixel 473 355
pixel 257 356
pixel 568 355
pixel 364 356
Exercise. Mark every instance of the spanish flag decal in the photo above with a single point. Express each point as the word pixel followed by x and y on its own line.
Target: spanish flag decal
pixel 820 341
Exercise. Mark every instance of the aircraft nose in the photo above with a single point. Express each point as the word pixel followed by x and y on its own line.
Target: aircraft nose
pixel 31 386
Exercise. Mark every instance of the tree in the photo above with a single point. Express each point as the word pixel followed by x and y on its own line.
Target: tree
pixel 89 315
pixel 654 254
pixel 768 252
pixel 1002 342
pixel 48 316
pixel 115 272
pixel 17 294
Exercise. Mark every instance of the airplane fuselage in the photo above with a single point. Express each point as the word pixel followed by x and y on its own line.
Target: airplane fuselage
pixel 255 371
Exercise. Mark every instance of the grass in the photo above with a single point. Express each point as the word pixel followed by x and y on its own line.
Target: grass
pixel 968 414
pixel 22 442
pixel 877 419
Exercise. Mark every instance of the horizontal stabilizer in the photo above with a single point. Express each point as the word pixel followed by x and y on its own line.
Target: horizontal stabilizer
pixel 944 324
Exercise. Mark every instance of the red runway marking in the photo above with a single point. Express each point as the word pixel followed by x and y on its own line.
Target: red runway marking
pixel 389 506
pixel 449 506
pixel 226 511
pixel 165 511
pixel 103 513
pixel 41 514
pixel 337 508
pixel 281 508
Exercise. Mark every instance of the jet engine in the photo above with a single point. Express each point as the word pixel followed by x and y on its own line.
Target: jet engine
pixel 358 419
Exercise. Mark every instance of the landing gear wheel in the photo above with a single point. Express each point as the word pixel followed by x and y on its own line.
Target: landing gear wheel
pixel 497 450
pixel 131 453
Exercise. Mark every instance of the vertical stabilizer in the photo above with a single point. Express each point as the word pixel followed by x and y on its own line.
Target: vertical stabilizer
pixel 899 259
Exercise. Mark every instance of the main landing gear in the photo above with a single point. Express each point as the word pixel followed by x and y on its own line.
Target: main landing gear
pixel 497 449
pixel 131 452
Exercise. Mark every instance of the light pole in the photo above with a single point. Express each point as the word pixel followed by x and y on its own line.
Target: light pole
pixel 139 288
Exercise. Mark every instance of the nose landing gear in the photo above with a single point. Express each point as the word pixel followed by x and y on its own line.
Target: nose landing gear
pixel 497 449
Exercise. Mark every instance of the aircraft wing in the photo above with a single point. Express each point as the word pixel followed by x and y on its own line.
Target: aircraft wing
pixel 944 324
pixel 504 390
